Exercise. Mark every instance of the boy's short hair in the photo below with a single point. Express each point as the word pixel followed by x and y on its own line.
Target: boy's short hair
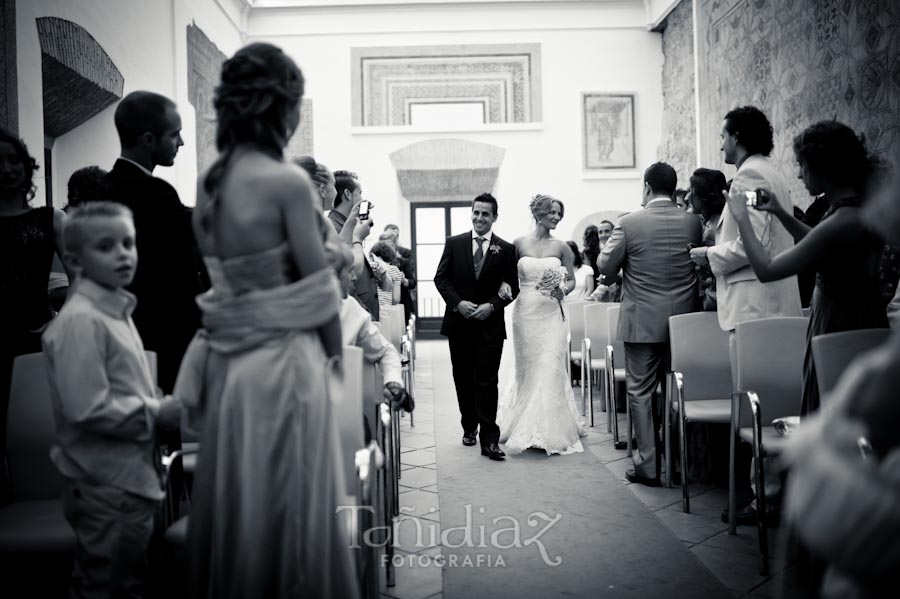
pixel 73 233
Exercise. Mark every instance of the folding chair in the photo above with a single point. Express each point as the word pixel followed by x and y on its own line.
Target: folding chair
pixel 771 381
pixel 832 353
pixel 615 375
pixel 700 380
pixel 575 336
pixel 594 334
pixel 33 523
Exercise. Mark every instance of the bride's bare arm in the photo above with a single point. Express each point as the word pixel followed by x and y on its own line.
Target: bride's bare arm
pixel 568 260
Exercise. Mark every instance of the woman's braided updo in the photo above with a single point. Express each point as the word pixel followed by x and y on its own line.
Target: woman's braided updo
pixel 257 102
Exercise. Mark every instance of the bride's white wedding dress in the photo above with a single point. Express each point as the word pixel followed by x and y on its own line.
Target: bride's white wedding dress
pixel 537 405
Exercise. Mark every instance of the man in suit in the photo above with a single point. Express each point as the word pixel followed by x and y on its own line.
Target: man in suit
pixel 472 269
pixel 746 143
pixel 345 218
pixel 659 281
pixel 170 273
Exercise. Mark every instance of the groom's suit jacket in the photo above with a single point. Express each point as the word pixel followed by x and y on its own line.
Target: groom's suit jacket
pixel 659 280
pixel 455 281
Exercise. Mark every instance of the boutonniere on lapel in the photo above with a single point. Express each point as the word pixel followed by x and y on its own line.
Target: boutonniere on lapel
pixel 495 248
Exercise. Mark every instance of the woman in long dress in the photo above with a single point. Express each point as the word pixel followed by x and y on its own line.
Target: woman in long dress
pixel 537 407
pixel 255 380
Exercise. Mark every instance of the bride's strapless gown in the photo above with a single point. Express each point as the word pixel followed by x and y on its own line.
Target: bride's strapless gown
pixel 537 405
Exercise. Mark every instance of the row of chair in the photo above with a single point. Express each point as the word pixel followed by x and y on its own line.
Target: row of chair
pixel 712 374
pixel 33 525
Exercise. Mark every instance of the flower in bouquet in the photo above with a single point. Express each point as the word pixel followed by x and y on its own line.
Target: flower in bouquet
pixel 550 280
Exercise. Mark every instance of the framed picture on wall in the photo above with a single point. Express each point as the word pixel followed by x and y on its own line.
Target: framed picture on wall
pixel 608 130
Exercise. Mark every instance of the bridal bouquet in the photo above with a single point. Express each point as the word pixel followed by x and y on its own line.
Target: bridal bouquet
pixel 550 280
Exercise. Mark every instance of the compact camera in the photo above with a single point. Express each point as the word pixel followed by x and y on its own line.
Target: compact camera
pixel 756 198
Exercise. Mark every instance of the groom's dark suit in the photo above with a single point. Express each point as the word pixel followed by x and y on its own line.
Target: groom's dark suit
pixel 476 345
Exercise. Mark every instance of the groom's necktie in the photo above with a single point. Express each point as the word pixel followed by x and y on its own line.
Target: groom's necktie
pixel 478 258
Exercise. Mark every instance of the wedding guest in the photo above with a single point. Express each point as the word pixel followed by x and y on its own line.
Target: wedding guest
pixel 345 218
pixel 592 247
pixel 255 381
pixel 384 253
pixel 747 142
pixel 106 406
pixel 844 252
pixel 84 185
pixel 408 267
pixel 584 275
pixel 170 274
pixel 707 200
pixel 29 240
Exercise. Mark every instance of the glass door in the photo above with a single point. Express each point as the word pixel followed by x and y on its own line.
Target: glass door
pixel 432 223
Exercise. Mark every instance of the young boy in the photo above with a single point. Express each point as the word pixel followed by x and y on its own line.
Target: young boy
pixel 106 406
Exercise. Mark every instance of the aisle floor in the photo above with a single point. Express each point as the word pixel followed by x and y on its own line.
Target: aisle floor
pixel 615 549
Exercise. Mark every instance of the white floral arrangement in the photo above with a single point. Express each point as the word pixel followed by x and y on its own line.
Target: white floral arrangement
pixel 551 279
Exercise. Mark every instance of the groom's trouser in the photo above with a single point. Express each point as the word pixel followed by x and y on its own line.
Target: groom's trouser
pixel 646 365
pixel 476 361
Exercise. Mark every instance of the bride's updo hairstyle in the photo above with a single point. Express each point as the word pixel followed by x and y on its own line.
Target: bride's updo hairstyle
pixel 256 103
pixel 541 205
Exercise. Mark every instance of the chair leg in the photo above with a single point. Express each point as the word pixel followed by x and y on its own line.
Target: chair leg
pixel 589 391
pixel 591 403
pixel 682 432
pixel 601 388
pixel 667 425
pixel 610 409
pixel 628 431
pixel 760 478
pixel 584 382
pixel 732 493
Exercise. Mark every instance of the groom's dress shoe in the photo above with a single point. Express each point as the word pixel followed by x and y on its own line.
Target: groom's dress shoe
pixel 469 439
pixel 493 451
pixel 641 480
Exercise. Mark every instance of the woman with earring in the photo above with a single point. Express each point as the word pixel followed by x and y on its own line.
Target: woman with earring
pixel 537 407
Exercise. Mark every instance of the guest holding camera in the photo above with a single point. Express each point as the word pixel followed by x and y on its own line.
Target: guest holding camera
pixel 842 249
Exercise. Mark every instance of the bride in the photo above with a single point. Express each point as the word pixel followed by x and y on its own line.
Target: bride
pixel 537 405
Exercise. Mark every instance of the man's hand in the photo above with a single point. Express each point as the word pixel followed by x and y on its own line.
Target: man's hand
pixel 505 291
pixel 362 229
pixel 483 311
pixel 698 255
pixel 466 308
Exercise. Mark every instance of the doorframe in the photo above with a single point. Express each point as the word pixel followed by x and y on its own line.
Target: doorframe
pixel 430 327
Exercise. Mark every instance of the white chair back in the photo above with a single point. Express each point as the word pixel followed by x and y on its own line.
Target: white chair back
pixel 349 411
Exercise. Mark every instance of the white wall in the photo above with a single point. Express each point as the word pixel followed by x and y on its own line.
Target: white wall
pixel 147 42
pixel 585 47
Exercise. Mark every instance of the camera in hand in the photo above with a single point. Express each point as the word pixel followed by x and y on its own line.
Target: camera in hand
pixel 756 198
pixel 364 207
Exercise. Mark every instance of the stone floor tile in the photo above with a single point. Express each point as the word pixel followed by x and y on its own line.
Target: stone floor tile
pixel 655 496
pixel 417 441
pixel 418 503
pixel 434 516
pixel 413 534
pixel 737 571
pixel 606 452
pixel 418 478
pixel 690 527
pixel 619 466
pixel 418 457
pixel 415 581
pixel 431 488
pixel 746 541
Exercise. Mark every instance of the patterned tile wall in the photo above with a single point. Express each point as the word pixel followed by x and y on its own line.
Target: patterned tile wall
pixel 383 81
pixel 800 61
pixel 679 147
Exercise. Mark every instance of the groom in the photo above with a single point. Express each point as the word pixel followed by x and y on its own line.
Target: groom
pixel 472 268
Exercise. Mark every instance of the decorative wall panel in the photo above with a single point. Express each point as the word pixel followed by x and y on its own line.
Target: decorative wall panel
pixel 301 143
pixel 384 80
pixel 204 71
pixel 445 170
pixel 678 146
pixel 800 61
pixel 79 78
pixel 9 91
